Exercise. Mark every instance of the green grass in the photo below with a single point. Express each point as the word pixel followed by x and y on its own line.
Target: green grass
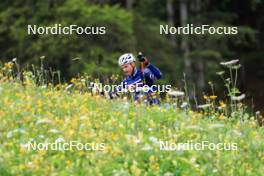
pixel 130 134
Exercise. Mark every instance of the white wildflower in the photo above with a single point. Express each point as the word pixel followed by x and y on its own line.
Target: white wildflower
pixel 41 136
pixel 236 66
pixel 19 130
pixel 154 140
pixel 175 93
pixel 215 170
pixel 220 73
pixel 9 134
pixel 60 139
pixel 82 126
pixel 217 125
pixel 120 172
pixel 238 98
pixel 41 121
pixel 137 140
pixel 126 105
pixel 25 146
pixel 83 117
pixel 68 87
pixel 168 174
pixel 147 147
pixel 204 106
pixel 77 58
pixel 195 127
pixel 193 159
pixel 237 132
pixel 150 129
pixel 184 104
pixel 232 62
pixel 54 131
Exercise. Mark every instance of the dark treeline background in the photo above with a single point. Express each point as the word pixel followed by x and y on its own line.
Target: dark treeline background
pixel 132 26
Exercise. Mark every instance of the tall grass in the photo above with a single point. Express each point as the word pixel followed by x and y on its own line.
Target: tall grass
pixel 35 107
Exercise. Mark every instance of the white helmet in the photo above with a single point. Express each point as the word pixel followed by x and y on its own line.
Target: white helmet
pixel 126 59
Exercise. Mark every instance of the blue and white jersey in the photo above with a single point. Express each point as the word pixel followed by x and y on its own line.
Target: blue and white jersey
pixel 139 79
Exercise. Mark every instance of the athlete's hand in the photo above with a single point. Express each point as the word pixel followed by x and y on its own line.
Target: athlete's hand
pixel 142 58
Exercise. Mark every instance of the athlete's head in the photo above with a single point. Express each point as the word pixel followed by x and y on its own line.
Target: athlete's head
pixel 127 62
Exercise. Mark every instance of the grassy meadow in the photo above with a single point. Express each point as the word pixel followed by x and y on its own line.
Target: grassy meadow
pixel 133 136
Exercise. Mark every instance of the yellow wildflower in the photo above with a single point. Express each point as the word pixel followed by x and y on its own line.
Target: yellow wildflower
pixel 222 105
pixel 222 117
pixel 213 97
